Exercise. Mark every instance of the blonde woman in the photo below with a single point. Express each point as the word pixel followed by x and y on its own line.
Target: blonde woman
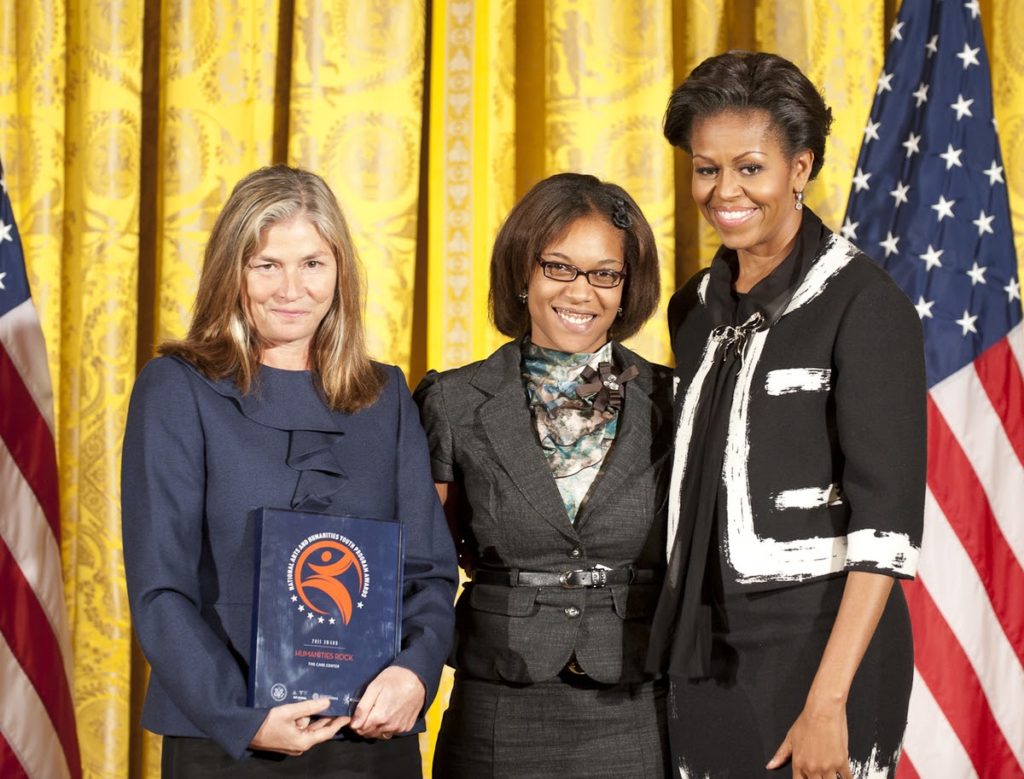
pixel 271 401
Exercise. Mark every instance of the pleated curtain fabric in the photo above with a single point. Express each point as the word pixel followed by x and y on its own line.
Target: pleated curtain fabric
pixel 124 125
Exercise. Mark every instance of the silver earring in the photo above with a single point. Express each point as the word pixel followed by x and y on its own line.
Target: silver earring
pixel 619 311
pixel 522 296
pixel 799 201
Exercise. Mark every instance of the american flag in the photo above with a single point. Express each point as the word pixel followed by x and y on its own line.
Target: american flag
pixel 929 200
pixel 37 718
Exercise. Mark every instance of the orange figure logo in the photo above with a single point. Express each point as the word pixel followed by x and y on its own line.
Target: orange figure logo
pixel 320 567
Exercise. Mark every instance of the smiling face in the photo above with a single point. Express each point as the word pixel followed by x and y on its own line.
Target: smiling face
pixel 290 282
pixel 575 316
pixel 745 185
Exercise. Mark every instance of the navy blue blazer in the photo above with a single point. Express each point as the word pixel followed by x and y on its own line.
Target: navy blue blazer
pixel 198 458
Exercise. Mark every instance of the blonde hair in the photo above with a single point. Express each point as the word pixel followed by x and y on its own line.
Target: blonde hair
pixel 221 340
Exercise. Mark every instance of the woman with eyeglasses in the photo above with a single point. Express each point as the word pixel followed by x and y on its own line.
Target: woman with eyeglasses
pixel 550 457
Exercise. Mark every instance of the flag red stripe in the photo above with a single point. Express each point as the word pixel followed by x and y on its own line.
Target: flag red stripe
pixel 10 766
pixel 1004 385
pixel 27 436
pixel 905 768
pixel 945 668
pixel 962 499
pixel 30 636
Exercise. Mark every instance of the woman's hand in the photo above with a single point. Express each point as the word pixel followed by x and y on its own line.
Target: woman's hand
pixel 818 740
pixel 390 704
pixel 816 743
pixel 291 729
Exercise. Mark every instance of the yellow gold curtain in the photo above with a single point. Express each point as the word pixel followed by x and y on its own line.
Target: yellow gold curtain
pixel 124 124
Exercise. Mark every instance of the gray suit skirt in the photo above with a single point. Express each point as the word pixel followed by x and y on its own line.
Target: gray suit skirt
pixel 569 726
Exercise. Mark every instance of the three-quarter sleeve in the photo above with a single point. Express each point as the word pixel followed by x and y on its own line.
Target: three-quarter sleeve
pixel 163 485
pixel 431 574
pixel 430 399
pixel 881 425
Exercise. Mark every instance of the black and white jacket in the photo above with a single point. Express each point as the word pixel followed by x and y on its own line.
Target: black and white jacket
pixel 824 462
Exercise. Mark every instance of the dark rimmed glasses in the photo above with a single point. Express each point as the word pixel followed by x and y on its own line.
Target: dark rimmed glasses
pixel 563 271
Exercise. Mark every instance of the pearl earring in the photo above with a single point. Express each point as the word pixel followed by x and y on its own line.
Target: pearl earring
pixel 799 201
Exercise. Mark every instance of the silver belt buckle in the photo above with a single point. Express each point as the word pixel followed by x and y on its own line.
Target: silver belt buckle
pixel 593 577
pixel 570 580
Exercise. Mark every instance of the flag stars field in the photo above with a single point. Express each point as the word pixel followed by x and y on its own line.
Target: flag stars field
pixel 944 208
pixel 969 55
pixel 849 230
pixel 912 144
pixel 860 180
pixel 932 258
pixel 900 193
pixel 924 307
pixel 1012 290
pixel 890 243
pixel 871 131
pixel 922 97
pixel 994 173
pixel 967 321
pixel 962 107
pixel 952 157
pixel 983 223
pixel 977 274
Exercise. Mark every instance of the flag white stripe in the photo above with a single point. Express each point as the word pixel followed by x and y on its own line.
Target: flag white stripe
pixel 27 534
pixel 930 741
pixel 27 727
pixel 22 337
pixel 977 428
pixel 958 593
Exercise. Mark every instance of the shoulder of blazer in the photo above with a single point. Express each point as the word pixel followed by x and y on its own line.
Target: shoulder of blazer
pixel 485 377
pixel 493 374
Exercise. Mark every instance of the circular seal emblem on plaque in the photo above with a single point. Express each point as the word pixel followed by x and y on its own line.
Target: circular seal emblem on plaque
pixel 278 692
pixel 328 577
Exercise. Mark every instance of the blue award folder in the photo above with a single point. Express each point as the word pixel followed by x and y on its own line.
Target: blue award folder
pixel 327 607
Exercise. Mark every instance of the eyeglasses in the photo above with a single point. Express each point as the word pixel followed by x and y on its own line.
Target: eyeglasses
pixel 562 271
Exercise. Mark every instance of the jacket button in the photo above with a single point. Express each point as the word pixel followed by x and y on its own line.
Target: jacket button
pixel 576 553
pixel 572 611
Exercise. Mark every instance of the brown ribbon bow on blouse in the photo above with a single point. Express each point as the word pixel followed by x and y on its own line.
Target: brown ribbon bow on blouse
pixel 606 383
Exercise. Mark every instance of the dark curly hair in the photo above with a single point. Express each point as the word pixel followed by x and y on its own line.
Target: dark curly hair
pixel 752 80
pixel 544 215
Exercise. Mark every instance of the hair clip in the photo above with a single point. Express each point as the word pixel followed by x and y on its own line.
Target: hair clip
pixel 620 216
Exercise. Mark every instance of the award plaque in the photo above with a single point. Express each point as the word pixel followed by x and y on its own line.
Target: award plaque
pixel 327 607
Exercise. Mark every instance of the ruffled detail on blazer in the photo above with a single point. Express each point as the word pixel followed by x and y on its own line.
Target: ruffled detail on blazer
pixel 314 430
pixel 311 453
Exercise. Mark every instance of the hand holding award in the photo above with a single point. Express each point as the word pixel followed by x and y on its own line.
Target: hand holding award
pixel 292 728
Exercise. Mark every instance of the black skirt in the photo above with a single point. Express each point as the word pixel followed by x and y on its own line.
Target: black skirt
pixel 565 727
pixel 203 758
pixel 766 648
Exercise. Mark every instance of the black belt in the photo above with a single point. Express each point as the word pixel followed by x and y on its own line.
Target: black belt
pixel 570 580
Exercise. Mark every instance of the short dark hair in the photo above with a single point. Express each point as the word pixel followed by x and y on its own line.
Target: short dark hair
pixel 747 80
pixel 543 215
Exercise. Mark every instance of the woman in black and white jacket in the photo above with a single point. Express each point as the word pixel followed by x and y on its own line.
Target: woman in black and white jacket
pixel 798 483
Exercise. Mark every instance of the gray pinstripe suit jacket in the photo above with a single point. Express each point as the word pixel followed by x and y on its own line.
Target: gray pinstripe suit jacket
pixel 482 437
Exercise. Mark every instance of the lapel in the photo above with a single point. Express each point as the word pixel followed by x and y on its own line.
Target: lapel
pixel 507 422
pixel 631 451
